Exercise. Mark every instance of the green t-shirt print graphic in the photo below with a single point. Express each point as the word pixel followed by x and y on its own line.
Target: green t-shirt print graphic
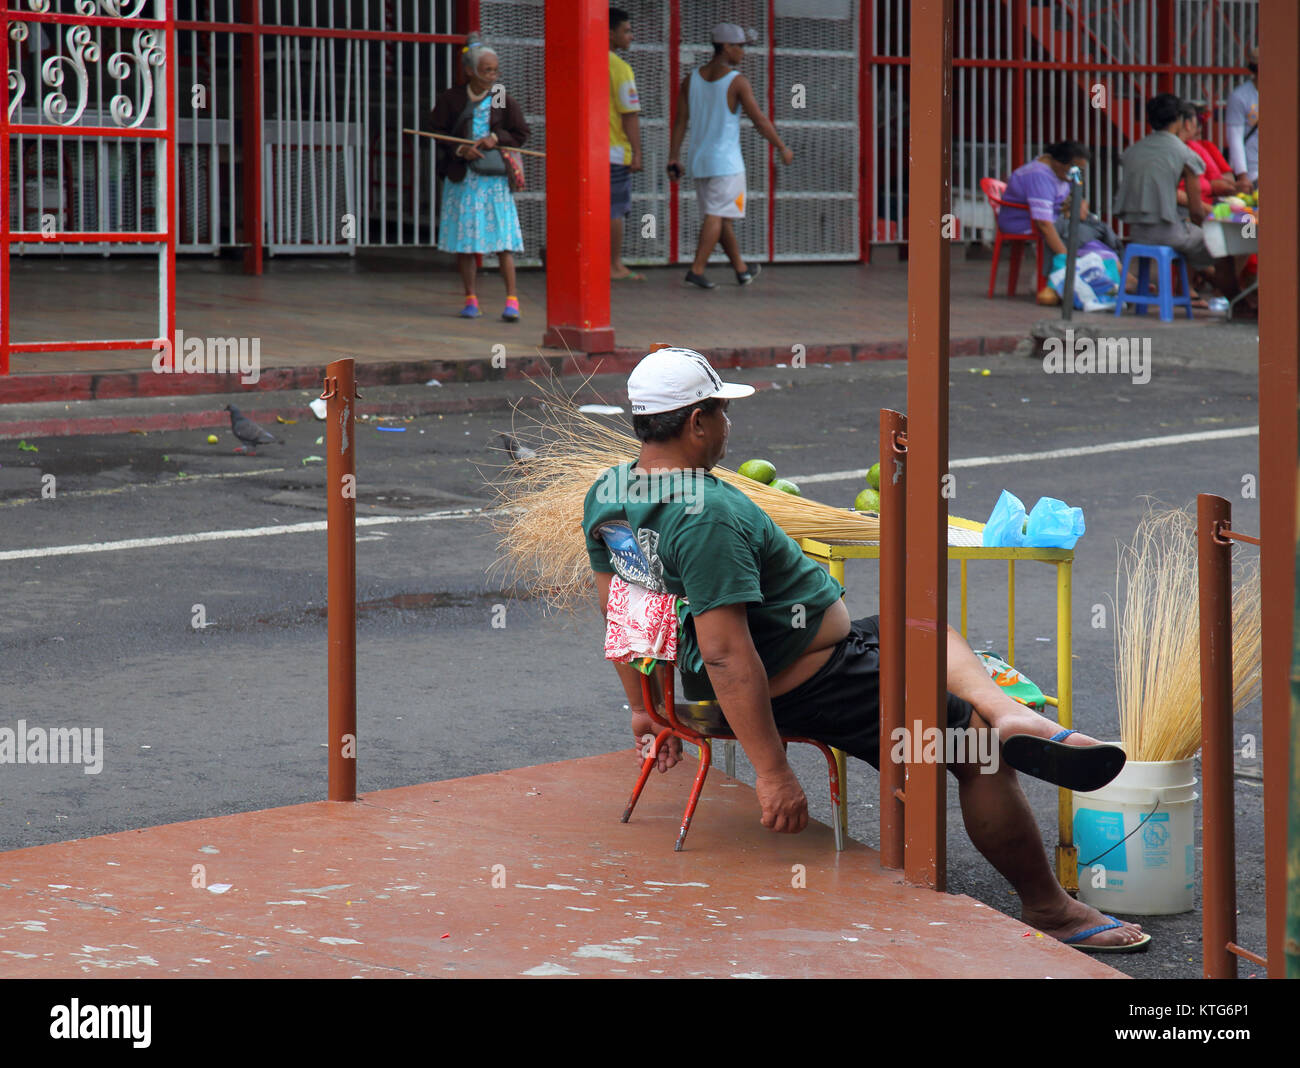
pixel 694 536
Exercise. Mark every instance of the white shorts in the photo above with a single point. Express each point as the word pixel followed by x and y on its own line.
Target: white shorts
pixel 723 195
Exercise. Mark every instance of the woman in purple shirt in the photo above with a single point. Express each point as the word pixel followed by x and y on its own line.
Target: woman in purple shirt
pixel 1043 186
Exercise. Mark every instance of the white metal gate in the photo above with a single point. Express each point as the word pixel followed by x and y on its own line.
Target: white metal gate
pixel 816 48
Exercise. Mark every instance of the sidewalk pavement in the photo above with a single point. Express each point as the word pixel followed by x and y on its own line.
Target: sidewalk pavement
pixel 525 872
pixel 398 318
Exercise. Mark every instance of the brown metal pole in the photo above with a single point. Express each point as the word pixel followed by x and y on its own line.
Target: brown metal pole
pixel 927 410
pixel 1279 358
pixel 893 568
pixel 1219 884
pixel 341 494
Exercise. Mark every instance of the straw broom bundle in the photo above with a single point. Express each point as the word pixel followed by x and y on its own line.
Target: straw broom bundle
pixel 1158 640
pixel 540 519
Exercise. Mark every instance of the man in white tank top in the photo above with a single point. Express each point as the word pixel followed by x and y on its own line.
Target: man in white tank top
pixel 710 100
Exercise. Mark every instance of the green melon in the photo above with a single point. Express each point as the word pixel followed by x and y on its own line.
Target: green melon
pixel 759 470
pixel 867 501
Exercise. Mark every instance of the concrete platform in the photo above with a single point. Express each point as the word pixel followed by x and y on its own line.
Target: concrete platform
pixel 521 873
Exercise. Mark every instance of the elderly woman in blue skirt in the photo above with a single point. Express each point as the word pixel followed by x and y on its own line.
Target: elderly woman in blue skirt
pixel 478 211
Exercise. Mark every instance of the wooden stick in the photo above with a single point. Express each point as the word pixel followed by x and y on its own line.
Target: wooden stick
pixel 467 141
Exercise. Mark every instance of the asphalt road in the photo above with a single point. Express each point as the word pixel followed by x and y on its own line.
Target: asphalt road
pixel 230 716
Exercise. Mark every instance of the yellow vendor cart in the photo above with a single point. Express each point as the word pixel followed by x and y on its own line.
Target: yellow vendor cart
pixel 964 545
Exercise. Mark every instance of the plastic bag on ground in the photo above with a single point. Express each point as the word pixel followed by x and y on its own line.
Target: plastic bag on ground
pixel 1096 280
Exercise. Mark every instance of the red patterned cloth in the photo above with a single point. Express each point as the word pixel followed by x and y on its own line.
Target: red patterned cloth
pixel 639 623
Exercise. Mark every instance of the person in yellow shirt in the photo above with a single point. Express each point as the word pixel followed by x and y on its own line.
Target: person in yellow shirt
pixel 624 140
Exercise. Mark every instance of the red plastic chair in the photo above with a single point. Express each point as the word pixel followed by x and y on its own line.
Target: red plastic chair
pixel 706 724
pixel 993 188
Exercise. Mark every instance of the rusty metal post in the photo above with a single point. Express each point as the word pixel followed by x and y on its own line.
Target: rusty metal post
pixel 1219 883
pixel 1279 368
pixel 1292 941
pixel 929 253
pixel 893 564
pixel 341 495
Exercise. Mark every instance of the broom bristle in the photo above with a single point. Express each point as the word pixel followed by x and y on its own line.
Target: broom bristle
pixel 1157 639
pixel 541 546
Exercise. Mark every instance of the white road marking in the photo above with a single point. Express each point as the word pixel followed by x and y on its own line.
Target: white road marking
pixel 230 535
pixel 1052 454
pixel 472 513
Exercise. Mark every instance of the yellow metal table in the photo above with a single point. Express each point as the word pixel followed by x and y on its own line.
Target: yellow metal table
pixel 964 545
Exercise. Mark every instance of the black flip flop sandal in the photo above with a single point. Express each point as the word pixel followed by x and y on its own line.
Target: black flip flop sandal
pixel 1075 767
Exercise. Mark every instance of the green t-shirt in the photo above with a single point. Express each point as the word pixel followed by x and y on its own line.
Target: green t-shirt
pixel 693 535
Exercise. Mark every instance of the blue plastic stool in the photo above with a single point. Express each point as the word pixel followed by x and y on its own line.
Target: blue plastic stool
pixel 1165 300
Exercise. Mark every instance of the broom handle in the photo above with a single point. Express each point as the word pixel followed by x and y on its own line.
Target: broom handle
pixel 467 141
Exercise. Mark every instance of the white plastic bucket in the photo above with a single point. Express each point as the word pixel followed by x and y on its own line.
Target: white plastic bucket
pixel 1135 840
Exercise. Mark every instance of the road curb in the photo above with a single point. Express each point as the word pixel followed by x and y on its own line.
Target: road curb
pixel 125 385
pixel 216 418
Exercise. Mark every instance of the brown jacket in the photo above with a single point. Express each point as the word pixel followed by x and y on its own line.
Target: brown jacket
pixel 507 123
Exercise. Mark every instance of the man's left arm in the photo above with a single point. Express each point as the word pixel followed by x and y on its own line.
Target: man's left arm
pixel 739 680
pixel 761 122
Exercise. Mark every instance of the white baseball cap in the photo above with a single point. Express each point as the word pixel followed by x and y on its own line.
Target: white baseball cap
pixel 669 379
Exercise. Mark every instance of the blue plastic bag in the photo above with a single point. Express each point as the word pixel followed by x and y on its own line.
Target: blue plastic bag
pixel 1006 524
pixel 1054 524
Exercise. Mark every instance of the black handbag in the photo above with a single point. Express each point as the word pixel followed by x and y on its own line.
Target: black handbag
pixel 493 164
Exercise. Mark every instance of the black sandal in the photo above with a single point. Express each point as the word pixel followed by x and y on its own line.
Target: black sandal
pixel 1075 767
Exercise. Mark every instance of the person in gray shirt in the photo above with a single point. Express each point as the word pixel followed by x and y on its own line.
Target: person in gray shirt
pixel 1147 199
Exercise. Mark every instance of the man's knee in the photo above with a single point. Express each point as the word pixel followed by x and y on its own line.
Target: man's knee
pixel 974 750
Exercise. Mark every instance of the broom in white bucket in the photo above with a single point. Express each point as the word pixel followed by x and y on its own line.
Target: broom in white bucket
pixel 1158 639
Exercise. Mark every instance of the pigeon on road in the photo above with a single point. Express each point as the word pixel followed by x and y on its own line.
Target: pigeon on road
pixel 249 432
pixel 518 451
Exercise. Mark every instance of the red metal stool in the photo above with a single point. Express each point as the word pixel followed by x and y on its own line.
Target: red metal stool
pixel 701 723
pixel 993 188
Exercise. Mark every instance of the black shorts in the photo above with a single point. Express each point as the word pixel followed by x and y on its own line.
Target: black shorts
pixel 840 705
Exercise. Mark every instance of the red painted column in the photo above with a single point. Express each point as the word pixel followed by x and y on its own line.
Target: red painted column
pixel 250 59
pixel 577 177
pixel 1279 372
pixel 926 598
pixel 1164 34
pixel 467 16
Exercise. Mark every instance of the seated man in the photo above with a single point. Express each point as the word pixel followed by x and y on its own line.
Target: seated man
pixel 1147 199
pixel 767 633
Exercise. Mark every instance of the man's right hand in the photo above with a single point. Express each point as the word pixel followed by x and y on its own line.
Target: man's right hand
pixel 787 156
pixel 674 170
pixel 785 808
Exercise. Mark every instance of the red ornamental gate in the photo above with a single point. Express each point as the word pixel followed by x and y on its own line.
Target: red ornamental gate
pixel 86 86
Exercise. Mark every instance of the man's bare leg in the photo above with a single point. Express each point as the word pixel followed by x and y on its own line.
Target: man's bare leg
pixel 731 246
pixel 1001 826
pixel 968 679
pixel 617 269
pixel 710 231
